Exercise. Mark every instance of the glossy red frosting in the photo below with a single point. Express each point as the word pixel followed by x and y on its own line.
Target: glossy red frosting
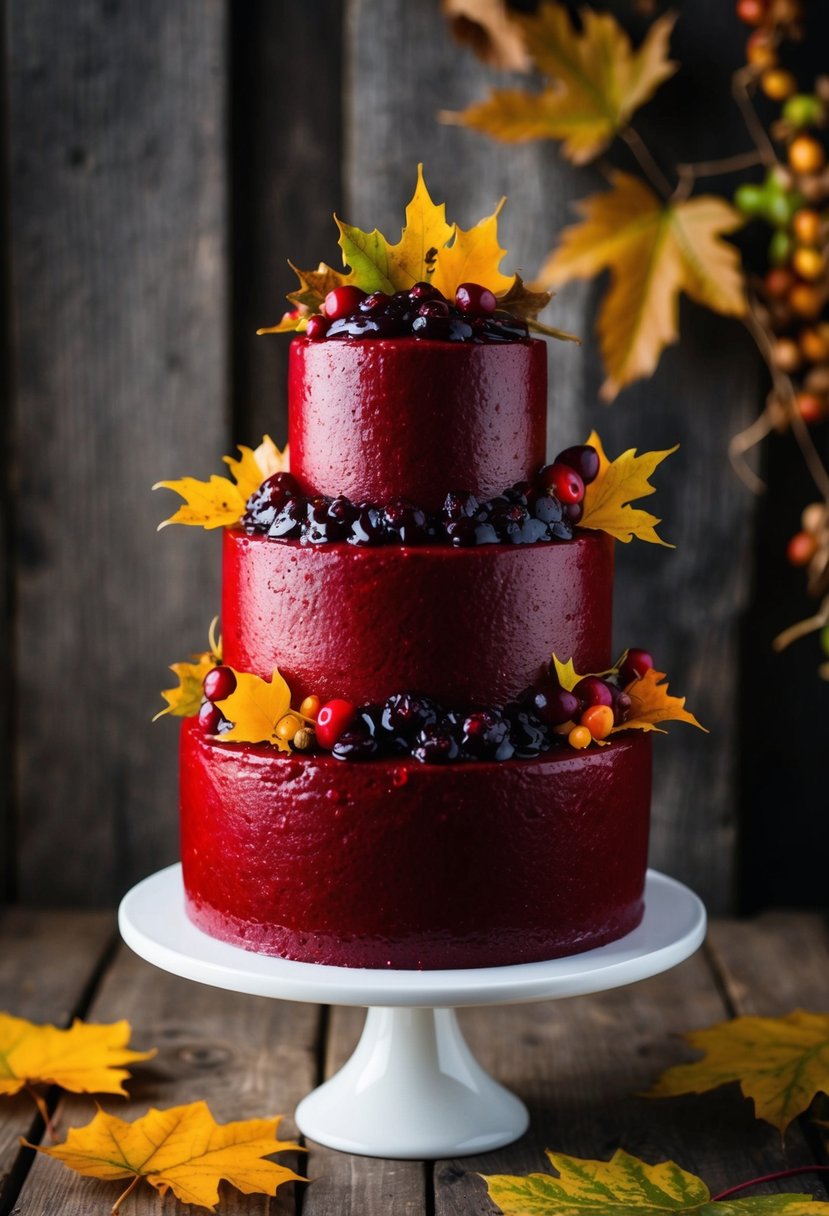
pixel 405 418
pixel 463 625
pixel 398 864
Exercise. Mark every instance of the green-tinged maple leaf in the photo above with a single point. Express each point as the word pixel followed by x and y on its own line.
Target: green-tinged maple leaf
pixel 184 701
pixel 220 502
pixel 607 500
pixel 780 1063
pixel 378 266
pixel 255 708
pixel 182 1150
pixel 626 1186
pixel 598 81
pixel 654 251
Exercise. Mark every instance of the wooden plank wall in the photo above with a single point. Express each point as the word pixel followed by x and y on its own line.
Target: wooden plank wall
pixel 163 161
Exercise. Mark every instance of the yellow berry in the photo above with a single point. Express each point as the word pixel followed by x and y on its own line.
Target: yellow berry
pixel 580 737
pixel 806 155
pixel 310 707
pixel 778 84
pixel 806 301
pixel 599 720
pixel 814 345
pixel 287 727
pixel 806 225
pixel 808 263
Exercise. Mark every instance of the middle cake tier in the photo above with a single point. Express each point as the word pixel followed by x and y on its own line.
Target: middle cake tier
pixel 463 626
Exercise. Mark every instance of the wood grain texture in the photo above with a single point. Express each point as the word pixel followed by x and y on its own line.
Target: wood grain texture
pixel 47 960
pixel 247 1057
pixel 581 1065
pixel 684 605
pixel 286 166
pixel 773 964
pixel 118 297
pixel 348 1185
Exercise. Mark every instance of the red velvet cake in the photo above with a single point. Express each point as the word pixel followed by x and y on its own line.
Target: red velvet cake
pixel 393 862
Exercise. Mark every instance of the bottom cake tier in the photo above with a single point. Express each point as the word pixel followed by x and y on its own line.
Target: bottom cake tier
pixel 397 864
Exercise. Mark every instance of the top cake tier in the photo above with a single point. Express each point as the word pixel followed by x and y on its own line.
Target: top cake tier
pixel 405 418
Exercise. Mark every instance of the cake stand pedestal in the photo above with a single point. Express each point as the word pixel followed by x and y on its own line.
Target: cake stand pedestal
pixel 412 1088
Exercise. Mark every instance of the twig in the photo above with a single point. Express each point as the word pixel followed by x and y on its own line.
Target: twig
pixel 739 88
pixel 646 161
pixel 689 173
pixel 743 442
pixel 810 454
pixel 802 628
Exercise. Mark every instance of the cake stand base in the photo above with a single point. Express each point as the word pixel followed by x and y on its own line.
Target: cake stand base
pixel 412 1088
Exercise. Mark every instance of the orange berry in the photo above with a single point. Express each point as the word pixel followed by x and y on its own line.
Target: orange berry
pixel 806 155
pixel 806 226
pixel 778 84
pixel 809 406
pixel 287 727
pixel 599 720
pixel 814 345
pixel 310 707
pixel 807 301
pixel 786 12
pixel 751 12
pixel 580 737
pixel 760 51
pixel 809 263
pixel 801 548
pixel 778 282
pixel 787 355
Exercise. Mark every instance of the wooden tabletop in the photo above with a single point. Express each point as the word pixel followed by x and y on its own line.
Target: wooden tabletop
pixel 579 1064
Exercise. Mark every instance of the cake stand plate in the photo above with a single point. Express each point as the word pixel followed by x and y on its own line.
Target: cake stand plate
pixel 412 1088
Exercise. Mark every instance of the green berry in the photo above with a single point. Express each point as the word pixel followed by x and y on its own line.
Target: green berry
pixel 824 639
pixel 780 248
pixel 750 199
pixel 804 110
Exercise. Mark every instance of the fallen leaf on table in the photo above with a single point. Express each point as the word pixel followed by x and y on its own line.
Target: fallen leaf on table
pixel 88 1058
pixel 182 1150
pixel 255 707
pixel 619 482
pixel 626 1186
pixel 597 81
pixel 780 1063
pixel 654 251
pixel 220 502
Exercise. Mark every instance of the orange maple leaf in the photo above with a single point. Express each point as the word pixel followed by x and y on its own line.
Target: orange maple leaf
pixel 598 81
pixel 607 500
pixel 654 251
pixel 652 703
pixel 220 502
pixel 182 1149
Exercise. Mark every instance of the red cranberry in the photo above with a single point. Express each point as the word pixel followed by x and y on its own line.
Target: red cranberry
pixel 333 720
pixel 317 327
pixel 562 481
pixel 433 308
pixel 636 665
pixel 553 705
pixel 342 302
pixel 219 683
pixel 592 690
pixel 210 718
pixel 425 291
pixel 621 709
pixel 475 299
pixel 574 511
pixel 584 459
pixel 377 302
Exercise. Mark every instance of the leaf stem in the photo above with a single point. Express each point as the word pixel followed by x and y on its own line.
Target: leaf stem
pixel 43 1111
pixel 646 161
pixel 790 1173
pixel 126 1194
pixel 551 332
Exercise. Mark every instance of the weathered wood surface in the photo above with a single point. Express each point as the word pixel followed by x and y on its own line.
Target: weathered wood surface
pixel 581 1065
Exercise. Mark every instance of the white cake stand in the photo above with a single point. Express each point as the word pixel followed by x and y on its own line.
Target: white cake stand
pixel 412 1088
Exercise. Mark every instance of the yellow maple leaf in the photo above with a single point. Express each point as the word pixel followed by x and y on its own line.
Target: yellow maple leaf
pixel 598 80
pixel 378 266
pixel 780 1063
pixel 220 502
pixel 619 482
pixel 184 701
pixel 255 707
pixel 625 1185
pixel 652 703
pixel 87 1058
pixel 182 1150
pixel 654 251
pixel 566 673
pixel 474 256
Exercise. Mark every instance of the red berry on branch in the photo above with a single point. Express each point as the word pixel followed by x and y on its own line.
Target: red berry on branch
pixel 636 666
pixel 342 302
pixel 752 12
pixel 563 481
pixel 801 548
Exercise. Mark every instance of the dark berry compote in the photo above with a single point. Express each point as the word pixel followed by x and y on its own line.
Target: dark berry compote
pixel 420 312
